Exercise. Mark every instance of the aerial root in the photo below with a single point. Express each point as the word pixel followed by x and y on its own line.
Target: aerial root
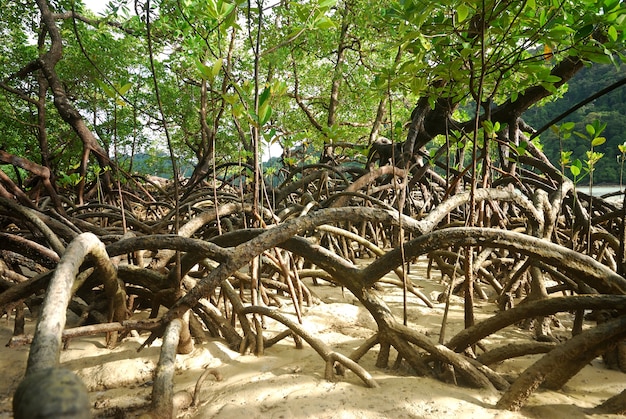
pixel 163 387
pixel 514 350
pixel 364 348
pixel 334 361
pixel 558 366
pixel 615 405
pixel 471 374
pixel 196 393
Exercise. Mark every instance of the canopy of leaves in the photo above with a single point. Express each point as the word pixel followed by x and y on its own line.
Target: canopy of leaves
pixel 402 132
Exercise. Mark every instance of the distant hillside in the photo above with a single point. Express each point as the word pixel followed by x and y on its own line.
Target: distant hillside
pixel 157 164
pixel 609 109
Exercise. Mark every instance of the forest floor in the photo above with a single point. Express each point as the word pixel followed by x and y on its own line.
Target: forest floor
pixel 288 383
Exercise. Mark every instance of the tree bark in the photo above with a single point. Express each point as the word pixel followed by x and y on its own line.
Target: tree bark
pixel 470 336
pixel 563 362
pixel 42 172
pixel 67 111
pixel 427 123
pixel 45 350
pixel 163 387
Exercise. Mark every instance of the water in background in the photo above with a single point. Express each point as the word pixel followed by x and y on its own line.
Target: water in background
pixel 615 198
pixel 600 190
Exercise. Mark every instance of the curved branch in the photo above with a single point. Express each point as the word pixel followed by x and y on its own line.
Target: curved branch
pixel 515 350
pixel 378 252
pixel 168 241
pixel 595 274
pixel 484 194
pixel 33 219
pixel 320 347
pixel 470 372
pixel 588 343
pixel 45 350
pixel 30 249
pixel 163 387
pixel 546 307
pixel 365 180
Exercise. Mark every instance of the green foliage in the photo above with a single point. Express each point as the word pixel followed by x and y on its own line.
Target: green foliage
pixel 578 168
pixel 360 51
pixel 71 179
pixel 610 108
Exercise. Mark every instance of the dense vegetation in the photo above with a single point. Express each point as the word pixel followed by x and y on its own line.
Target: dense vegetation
pixel 404 133
pixel 609 109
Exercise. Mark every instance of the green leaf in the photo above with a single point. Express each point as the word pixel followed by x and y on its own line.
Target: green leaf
pixel 560 31
pixel 593 157
pixel 226 9
pixel 327 3
pixel 279 88
pixel 462 11
pixel 612 33
pixel 568 126
pixel 599 127
pixel 265 114
pixel 418 84
pixel 583 32
pixel 230 98
pixel 551 78
pixel 591 130
pixel 549 87
pixel 610 5
pixel 324 23
pixel 215 70
pixel 108 91
pixel 296 29
pixel 576 167
pixel 238 110
pixel 124 89
pixel 265 95
pixel 205 71
pixel 598 141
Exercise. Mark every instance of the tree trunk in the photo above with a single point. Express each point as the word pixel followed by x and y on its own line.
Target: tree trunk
pixel 65 108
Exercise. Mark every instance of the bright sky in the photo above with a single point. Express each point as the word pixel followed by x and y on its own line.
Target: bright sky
pixel 96 6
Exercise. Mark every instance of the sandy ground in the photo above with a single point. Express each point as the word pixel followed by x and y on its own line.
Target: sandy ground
pixel 288 383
